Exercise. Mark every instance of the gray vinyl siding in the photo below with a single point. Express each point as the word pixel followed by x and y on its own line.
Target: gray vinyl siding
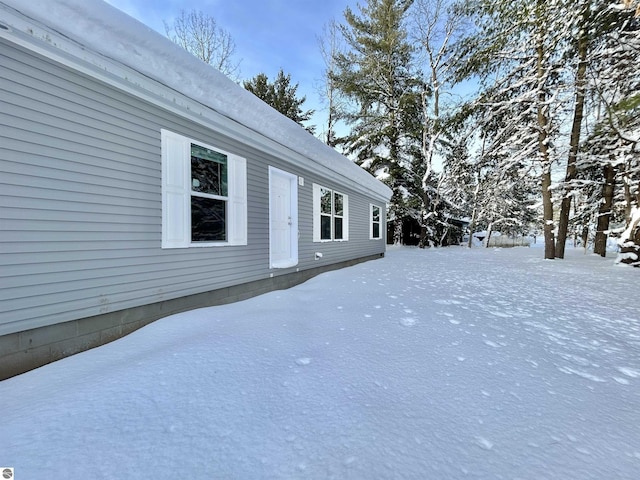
pixel 80 202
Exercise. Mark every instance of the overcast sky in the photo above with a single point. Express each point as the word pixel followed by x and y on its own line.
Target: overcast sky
pixel 269 34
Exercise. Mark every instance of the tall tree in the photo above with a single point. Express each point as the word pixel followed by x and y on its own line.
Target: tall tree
pixel 513 51
pixel 200 35
pixel 281 94
pixel 617 82
pixel 331 45
pixel 376 75
pixel 580 43
pixel 495 177
pixel 607 169
pixel 435 27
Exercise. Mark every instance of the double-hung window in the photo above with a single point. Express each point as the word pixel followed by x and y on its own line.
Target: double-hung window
pixel 330 215
pixel 209 195
pixel 204 194
pixel 376 223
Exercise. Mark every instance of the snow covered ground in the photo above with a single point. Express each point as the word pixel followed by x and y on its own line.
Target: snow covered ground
pixel 429 364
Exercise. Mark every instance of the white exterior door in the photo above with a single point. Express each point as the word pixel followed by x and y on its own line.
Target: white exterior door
pixel 283 219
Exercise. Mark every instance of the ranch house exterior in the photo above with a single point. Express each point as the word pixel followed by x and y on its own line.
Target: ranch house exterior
pixel 137 182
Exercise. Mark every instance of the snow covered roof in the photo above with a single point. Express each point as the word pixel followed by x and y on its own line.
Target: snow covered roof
pixel 94 26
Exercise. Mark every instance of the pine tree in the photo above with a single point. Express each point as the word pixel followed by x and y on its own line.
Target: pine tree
pixel 549 69
pixel 591 25
pixel 461 184
pixel 376 76
pixel 607 169
pixel 514 53
pixel 493 178
pixel 581 17
pixel 281 95
pixel 618 88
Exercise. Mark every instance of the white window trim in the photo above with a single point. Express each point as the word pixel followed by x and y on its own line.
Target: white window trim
pixel 317 214
pixel 176 194
pixel 371 221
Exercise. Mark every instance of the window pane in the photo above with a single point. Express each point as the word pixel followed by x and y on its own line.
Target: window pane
pixel 325 227
pixel 339 204
pixel 208 171
pixel 338 228
pixel 208 219
pixel 376 230
pixel 325 201
pixel 376 213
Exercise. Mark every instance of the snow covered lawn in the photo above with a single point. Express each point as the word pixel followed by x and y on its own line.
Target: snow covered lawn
pixel 428 364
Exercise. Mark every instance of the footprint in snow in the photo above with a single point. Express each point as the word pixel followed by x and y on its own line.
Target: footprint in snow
pixel 580 361
pixel 580 373
pixel 349 461
pixel 303 361
pixel 622 381
pixel 408 322
pixel 629 372
pixel 484 443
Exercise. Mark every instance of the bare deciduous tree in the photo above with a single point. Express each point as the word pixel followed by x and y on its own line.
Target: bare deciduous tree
pixel 200 35
pixel 331 44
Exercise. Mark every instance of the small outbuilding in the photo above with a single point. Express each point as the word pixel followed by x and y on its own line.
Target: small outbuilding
pixel 137 182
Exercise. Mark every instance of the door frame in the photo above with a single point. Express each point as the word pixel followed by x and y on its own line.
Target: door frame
pixel 293 209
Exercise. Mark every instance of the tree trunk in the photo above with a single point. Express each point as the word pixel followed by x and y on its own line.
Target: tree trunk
pixel 423 237
pixel 476 193
pixel 574 143
pixel 472 225
pixel 424 215
pixel 547 205
pixel 585 236
pixel 443 237
pixel 488 237
pixel 397 231
pixel 604 212
pixel 628 197
pixel 630 239
pixel 543 140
